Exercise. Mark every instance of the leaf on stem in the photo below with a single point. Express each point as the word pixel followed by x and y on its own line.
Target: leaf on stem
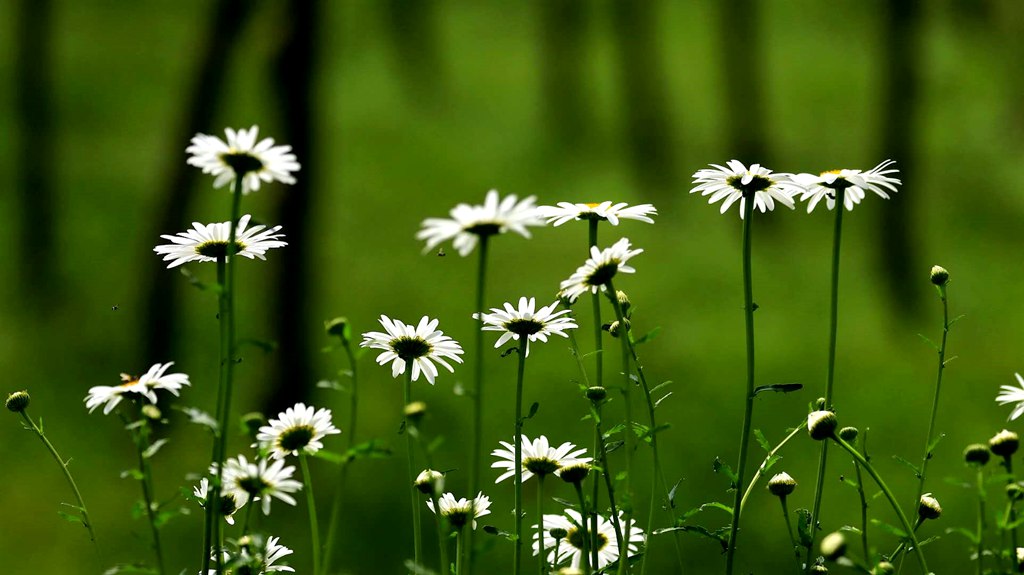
pixel 648 336
pixel 914 468
pixel 778 388
pixel 803 528
pixel 152 449
pixel 720 466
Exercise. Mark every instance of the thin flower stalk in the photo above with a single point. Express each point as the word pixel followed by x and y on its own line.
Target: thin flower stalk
pixel 792 537
pixel 542 558
pixel 417 538
pixel 748 403
pixel 478 384
pixel 339 492
pixel 442 537
pixel 518 475
pixel 595 299
pixel 1011 514
pixel 140 436
pixel 314 525
pixel 584 515
pixel 609 487
pixel 980 535
pixel 863 500
pixel 764 464
pixel 930 438
pixel 460 535
pixel 627 384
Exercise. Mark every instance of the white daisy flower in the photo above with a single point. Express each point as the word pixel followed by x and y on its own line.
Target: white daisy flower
pixel 468 223
pixel 1011 394
pixel 539 458
pixel 459 511
pixel 242 156
pixel 855 182
pixel 421 345
pixel 736 181
pixel 228 505
pixel 564 211
pixel 254 556
pixel 535 324
pixel 599 269
pixel 146 386
pixel 274 551
pixel 208 242
pixel 259 480
pixel 570 548
pixel 298 428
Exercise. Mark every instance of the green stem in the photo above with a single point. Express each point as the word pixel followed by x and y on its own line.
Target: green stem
pixel 248 518
pixel 458 550
pixel 863 510
pixel 339 492
pixel 1012 516
pixel 596 487
pixel 748 403
pixel 478 379
pixel 888 495
pixel 595 299
pixel 981 518
pixel 141 445
pixel 938 387
pixel 67 474
pixel 610 488
pixel 764 464
pixel 416 536
pixel 792 538
pixel 542 563
pixel 518 475
pixel 627 384
pixel 314 525
pixel 596 304
pixel 214 493
pixel 584 514
pixel 442 537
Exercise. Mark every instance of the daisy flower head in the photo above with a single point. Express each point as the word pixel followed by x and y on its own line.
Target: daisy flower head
pixel 599 269
pixel 228 505
pixel 880 180
pixel 605 211
pixel 242 156
pixel 209 242
pixel 422 346
pixel 570 548
pixel 298 428
pixel 734 181
pixel 145 385
pixel 460 511
pixel 539 458
pixel 1011 394
pixel 526 321
pixel 259 480
pixel 468 223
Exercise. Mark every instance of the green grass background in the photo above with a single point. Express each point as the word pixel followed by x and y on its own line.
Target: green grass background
pixel 385 160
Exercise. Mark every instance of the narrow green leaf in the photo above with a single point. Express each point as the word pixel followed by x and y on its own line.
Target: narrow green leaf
pixel 152 449
pixel 762 441
pixel 914 468
pixel 648 336
pixel 779 388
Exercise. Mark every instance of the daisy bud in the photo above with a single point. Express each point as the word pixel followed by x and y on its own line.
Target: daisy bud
pixel 849 434
pixel 781 485
pixel 252 422
pixel 884 568
pixel 151 412
pixel 18 401
pixel 821 424
pixel 976 454
pixel 820 404
pixel 339 327
pixel 940 276
pixel 429 482
pixel 1004 443
pixel 819 570
pixel 928 507
pixel 596 393
pixel 1015 491
pixel 415 411
pixel 574 473
pixel 1020 559
pixel 623 302
pixel 558 533
pixel 245 541
pixel 613 327
pixel 833 546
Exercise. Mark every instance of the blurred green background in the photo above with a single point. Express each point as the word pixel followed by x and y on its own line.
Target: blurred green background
pixel 401 109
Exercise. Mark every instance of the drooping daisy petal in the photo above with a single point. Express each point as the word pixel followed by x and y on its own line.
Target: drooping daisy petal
pixel 146 385
pixel 856 183
pixel 565 211
pixel 208 242
pixel 298 428
pixel 242 155
pixel 1011 394
pixel 460 511
pixel 526 320
pixel 538 457
pixel 468 222
pixel 599 269
pixel 245 481
pixel 570 548
pixel 736 182
pixel 421 346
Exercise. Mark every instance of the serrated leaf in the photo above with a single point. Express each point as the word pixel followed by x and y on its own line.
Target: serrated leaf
pixel 152 449
pixel 803 528
pixel 164 516
pixel 778 388
pixel 721 467
pixel 914 468
pixel 762 441
pixel 648 336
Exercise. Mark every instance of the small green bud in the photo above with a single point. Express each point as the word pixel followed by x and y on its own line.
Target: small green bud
pixel 884 568
pixel 18 401
pixel 339 327
pixel 781 485
pixel 574 473
pixel 151 412
pixel 1014 491
pixel 833 546
pixel 558 533
pixel 821 424
pixel 623 302
pixel 415 411
pixel 928 507
pixel 849 434
pixel 976 454
pixel 1004 443
pixel 940 276
pixel 429 482
pixel 252 422
pixel 596 393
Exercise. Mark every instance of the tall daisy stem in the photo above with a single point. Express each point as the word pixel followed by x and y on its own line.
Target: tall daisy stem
pixel 610 488
pixel 584 515
pixel 1011 516
pixel 627 384
pixel 599 381
pixel 819 484
pixel 789 531
pixel 86 522
pixel 314 525
pixel 142 445
pixel 929 440
pixel 542 562
pixel 417 539
pixel 981 519
pixel 478 384
pixel 339 491
pixel 518 475
pixel 442 537
pixel 459 536
pixel 596 300
pixel 748 404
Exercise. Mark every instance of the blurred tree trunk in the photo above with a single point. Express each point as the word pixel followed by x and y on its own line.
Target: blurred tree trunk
pixel 897 245
pixel 740 39
pixel 35 153
pixel 294 73
pixel 648 123
pixel 563 38
pixel 412 27
pixel 162 297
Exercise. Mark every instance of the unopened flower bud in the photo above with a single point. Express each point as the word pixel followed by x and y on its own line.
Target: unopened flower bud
pixel 833 546
pixel 821 424
pixel 574 473
pixel 151 412
pixel 819 570
pixel 339 327
pixel 976 454
pixel 558 533
pixel 884 568
pixel 429 482
pixel 623 302
pixel 415 411
pixel 849 434
pixel 613 327
pixel 940 276
pixel 1014 491
pixel 596 393
pixel 820 404
pixel 252 422
pixel 245 541
pixel 1004 443
pixel 928 507
pixel 18 401
pixel 781 485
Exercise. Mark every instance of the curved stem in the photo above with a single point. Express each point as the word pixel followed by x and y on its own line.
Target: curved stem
pixel 478 378
pixel 629 434
pixel 764 464
pixel 748 404
pixel 938 387
pixel 888 495
pixel 584 515
pixel 314 525
pixel 542 562
pixel 339 491
pixel 417 540
pixel 518 476
pixel 67 474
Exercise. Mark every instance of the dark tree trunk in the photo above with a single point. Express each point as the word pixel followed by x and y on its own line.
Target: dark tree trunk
pixel 740 40
pixel 162 296
pixel 412 26
pixel 563 41
pixel 294 72
pixel 645 96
